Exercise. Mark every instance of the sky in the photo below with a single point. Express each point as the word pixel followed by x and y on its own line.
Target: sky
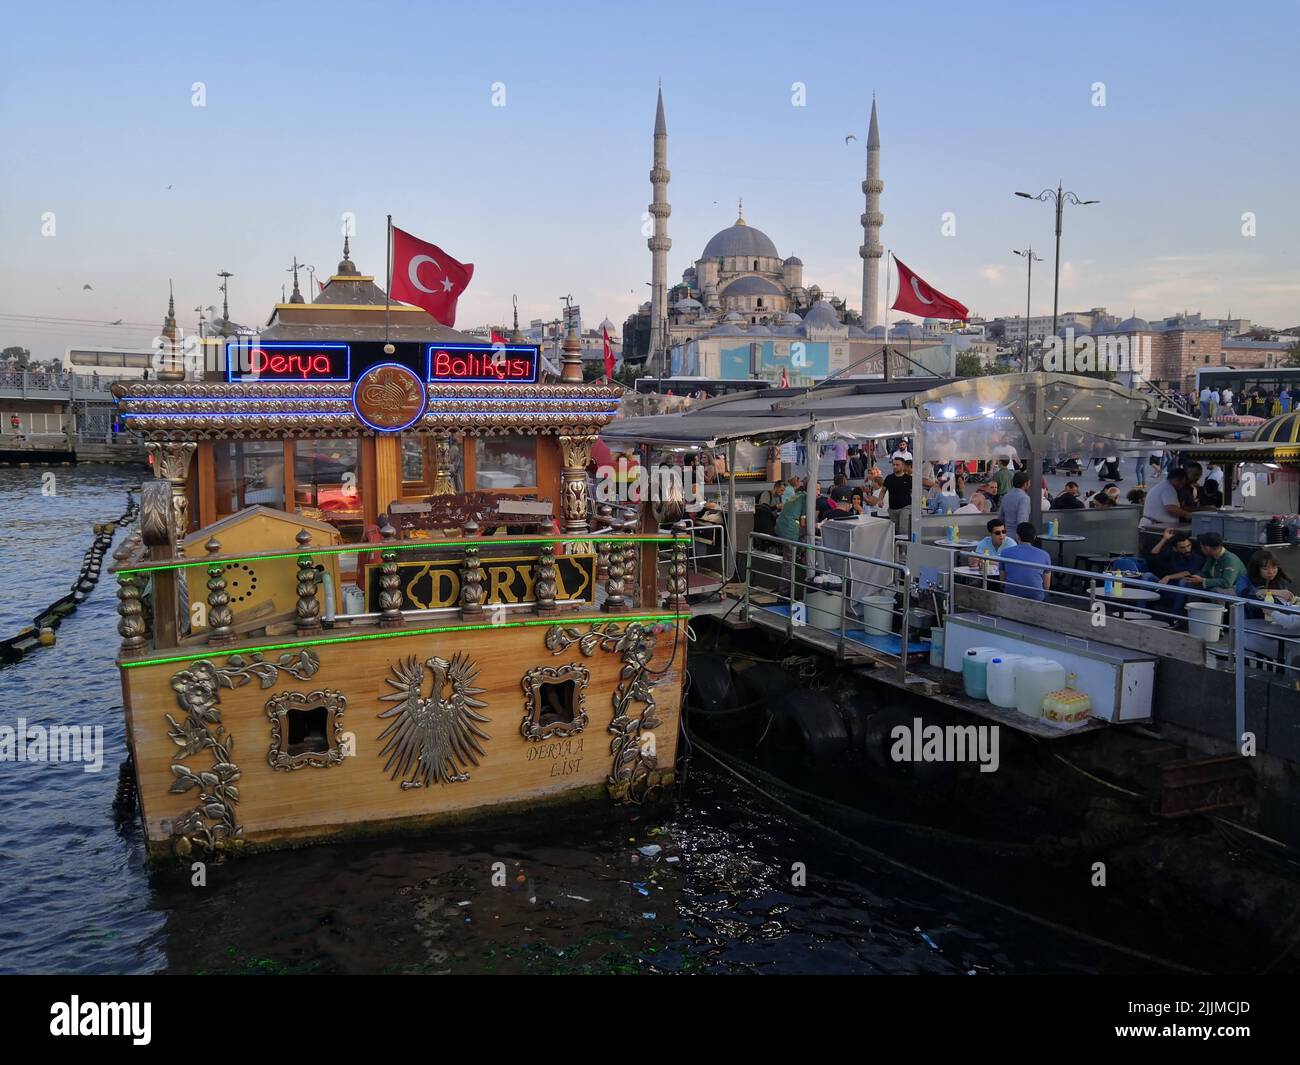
pixel 112 177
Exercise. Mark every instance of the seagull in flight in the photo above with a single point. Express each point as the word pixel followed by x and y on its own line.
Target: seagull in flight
pixel 850 137
pixel 86 288
pixel 118 322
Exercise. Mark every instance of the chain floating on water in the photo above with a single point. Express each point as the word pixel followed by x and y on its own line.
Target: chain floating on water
pixel 40 633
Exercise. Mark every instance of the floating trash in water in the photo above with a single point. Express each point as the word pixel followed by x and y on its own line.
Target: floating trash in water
pixel 650 849
pixel 578 897
pixel 933 945
pixel 649 916
pixel 642 888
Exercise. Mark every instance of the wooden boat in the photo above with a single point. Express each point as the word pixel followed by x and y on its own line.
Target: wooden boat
pixel 366 593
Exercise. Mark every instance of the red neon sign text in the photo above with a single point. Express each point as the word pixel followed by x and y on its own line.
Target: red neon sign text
pixel 473 365
pixel 304 366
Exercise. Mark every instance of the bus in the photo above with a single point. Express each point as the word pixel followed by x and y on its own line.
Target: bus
pixel 1267 381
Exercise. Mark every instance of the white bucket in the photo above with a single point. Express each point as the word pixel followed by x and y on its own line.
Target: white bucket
pixel 824 611
pixel 878 614
pixel 1205 621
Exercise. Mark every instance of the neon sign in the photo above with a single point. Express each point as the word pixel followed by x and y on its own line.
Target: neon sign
pixel 283 360
pixel 482 363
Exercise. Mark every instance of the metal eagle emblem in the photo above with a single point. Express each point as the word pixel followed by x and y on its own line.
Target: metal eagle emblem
pixel 435 738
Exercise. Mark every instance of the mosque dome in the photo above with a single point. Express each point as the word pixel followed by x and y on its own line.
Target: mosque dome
pixel 905 331
pixel 752 286
pixel 688 304
pixel 1133 325
pixel 821 316
pixel 794 260
pixel 729 329
pixel 876 332
pixel 759 330
pixel 740 240
pixel 790 318
pixel 733 316
pixel 856 332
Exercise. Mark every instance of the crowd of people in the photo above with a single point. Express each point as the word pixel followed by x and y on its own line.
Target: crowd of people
pixel 1257 404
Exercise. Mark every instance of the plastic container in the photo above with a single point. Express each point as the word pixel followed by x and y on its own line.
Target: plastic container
pixel 878 614
pixel 974 671
pixel 1035 677
pixel 1068 707
pixel 1002 679
pixel 824 611
pixel 1205 621
pixel 936 648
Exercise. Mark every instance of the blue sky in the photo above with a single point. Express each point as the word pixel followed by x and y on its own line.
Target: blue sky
pixel 317 109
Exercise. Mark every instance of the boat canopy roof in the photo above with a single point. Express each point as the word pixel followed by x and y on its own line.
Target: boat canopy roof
pixel 967 417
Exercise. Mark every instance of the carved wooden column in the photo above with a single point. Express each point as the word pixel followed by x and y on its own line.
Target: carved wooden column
pixel 575 454
pixel 631 587
pixel 614 598
pixel 308 610
pixel 471 579
pixel 220 616
pixel 604 516
pixel 390 583
pixel 131 613
pixel 677 580
pixel 158 534
pixel 544 586
pixel 444 481
pixel 171 462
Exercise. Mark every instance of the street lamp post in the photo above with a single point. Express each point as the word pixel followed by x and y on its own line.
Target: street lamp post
pixel 1059 198
pixel 1030 258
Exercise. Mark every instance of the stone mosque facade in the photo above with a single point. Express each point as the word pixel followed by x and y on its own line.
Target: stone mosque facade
pixel 742 310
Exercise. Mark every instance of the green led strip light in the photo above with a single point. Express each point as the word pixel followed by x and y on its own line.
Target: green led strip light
pixel 381 547
pixel 211 651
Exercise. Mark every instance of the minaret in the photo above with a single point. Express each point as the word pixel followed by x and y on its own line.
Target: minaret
pixel 659 243
pixel 872 220
pixel 171 366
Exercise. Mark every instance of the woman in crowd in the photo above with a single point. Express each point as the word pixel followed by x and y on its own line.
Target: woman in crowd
pixel 1266 578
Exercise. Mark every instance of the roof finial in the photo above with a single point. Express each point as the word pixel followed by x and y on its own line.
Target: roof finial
pixel 346 266
pixel 740 211
pixel 297 295
pixel 171 300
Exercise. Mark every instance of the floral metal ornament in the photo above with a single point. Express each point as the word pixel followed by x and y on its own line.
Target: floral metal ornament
pixel 434 738
pixel 211 825
pixel 635 775
pixel 277 709
pixel 531 728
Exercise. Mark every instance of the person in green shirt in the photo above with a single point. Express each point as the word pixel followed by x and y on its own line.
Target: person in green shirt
pixel 792 489
pixel 1223 571
pixel 792 511
pixel 1003 477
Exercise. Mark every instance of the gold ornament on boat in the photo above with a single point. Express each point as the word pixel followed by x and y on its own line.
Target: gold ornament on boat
pixel 544 714
pixel 278 708
pixel 435 738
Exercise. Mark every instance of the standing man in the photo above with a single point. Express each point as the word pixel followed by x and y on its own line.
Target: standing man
pixel 1284 398
pixel 841 457
pixel 898 492
pixel 1016 505
pixel 1163 505
pixel 1003 476
pixel 1205 403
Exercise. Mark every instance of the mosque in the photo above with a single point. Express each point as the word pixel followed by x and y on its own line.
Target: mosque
pixel 741 310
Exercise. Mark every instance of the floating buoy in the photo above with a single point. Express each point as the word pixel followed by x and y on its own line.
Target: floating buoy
pixel 47 637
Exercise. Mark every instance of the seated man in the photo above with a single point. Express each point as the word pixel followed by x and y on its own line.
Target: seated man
pixel 1173 557
pixel 1223 571
pixel 977 505
pixel 996 542
pixel 1026 581
pixel 840 489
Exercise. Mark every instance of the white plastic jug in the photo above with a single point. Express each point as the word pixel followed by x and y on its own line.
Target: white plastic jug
pixel 1002 679
pixel 1035 677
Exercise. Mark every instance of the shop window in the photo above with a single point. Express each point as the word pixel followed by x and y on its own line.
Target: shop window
pixel 249 473
pixel 505 462
pixel 326 476
pixel 306 729
pixel 554 701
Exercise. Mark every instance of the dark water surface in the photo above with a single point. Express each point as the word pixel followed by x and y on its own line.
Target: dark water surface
pixel 76 896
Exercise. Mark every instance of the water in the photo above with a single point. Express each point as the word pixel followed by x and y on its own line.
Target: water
pixel 76 895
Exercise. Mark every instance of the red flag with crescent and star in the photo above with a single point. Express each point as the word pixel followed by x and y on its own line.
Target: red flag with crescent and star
pixel 609 354
pixel 916 296
pixel 785 378
pixel 425 275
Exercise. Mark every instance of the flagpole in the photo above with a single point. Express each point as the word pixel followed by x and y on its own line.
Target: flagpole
pixel 388 284
pixel 889 276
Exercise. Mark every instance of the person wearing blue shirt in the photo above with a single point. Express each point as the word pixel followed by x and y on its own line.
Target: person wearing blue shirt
pixel 997 541
pixel 1026 581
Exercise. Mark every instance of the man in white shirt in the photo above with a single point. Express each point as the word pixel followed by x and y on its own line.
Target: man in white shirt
pixel 1227 397
pixel 1162 506
pixel 977 505
pixel 902 452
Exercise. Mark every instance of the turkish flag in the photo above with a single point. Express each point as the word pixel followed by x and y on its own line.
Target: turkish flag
pixel 497 338
pixel 785 378
pixel 916 296
pixel 425 275
pixel 609 354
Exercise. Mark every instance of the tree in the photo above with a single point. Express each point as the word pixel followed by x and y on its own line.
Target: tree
pixel 21 354
pixel 1291 357
pixel 969 364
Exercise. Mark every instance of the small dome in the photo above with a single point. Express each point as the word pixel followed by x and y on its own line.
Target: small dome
pixel 1284 429
pixel 876 332
pixel 790 318
pixel 733 316
pixel 688 304
pixel 607 324
pixel 905 331
pixel 789 330
pixel 856 332
pixel 1133 325
pixel 821 316
pixel 759 330
pixel 752 286
pixel 740 239
pixel 794 260
pixel 729 329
